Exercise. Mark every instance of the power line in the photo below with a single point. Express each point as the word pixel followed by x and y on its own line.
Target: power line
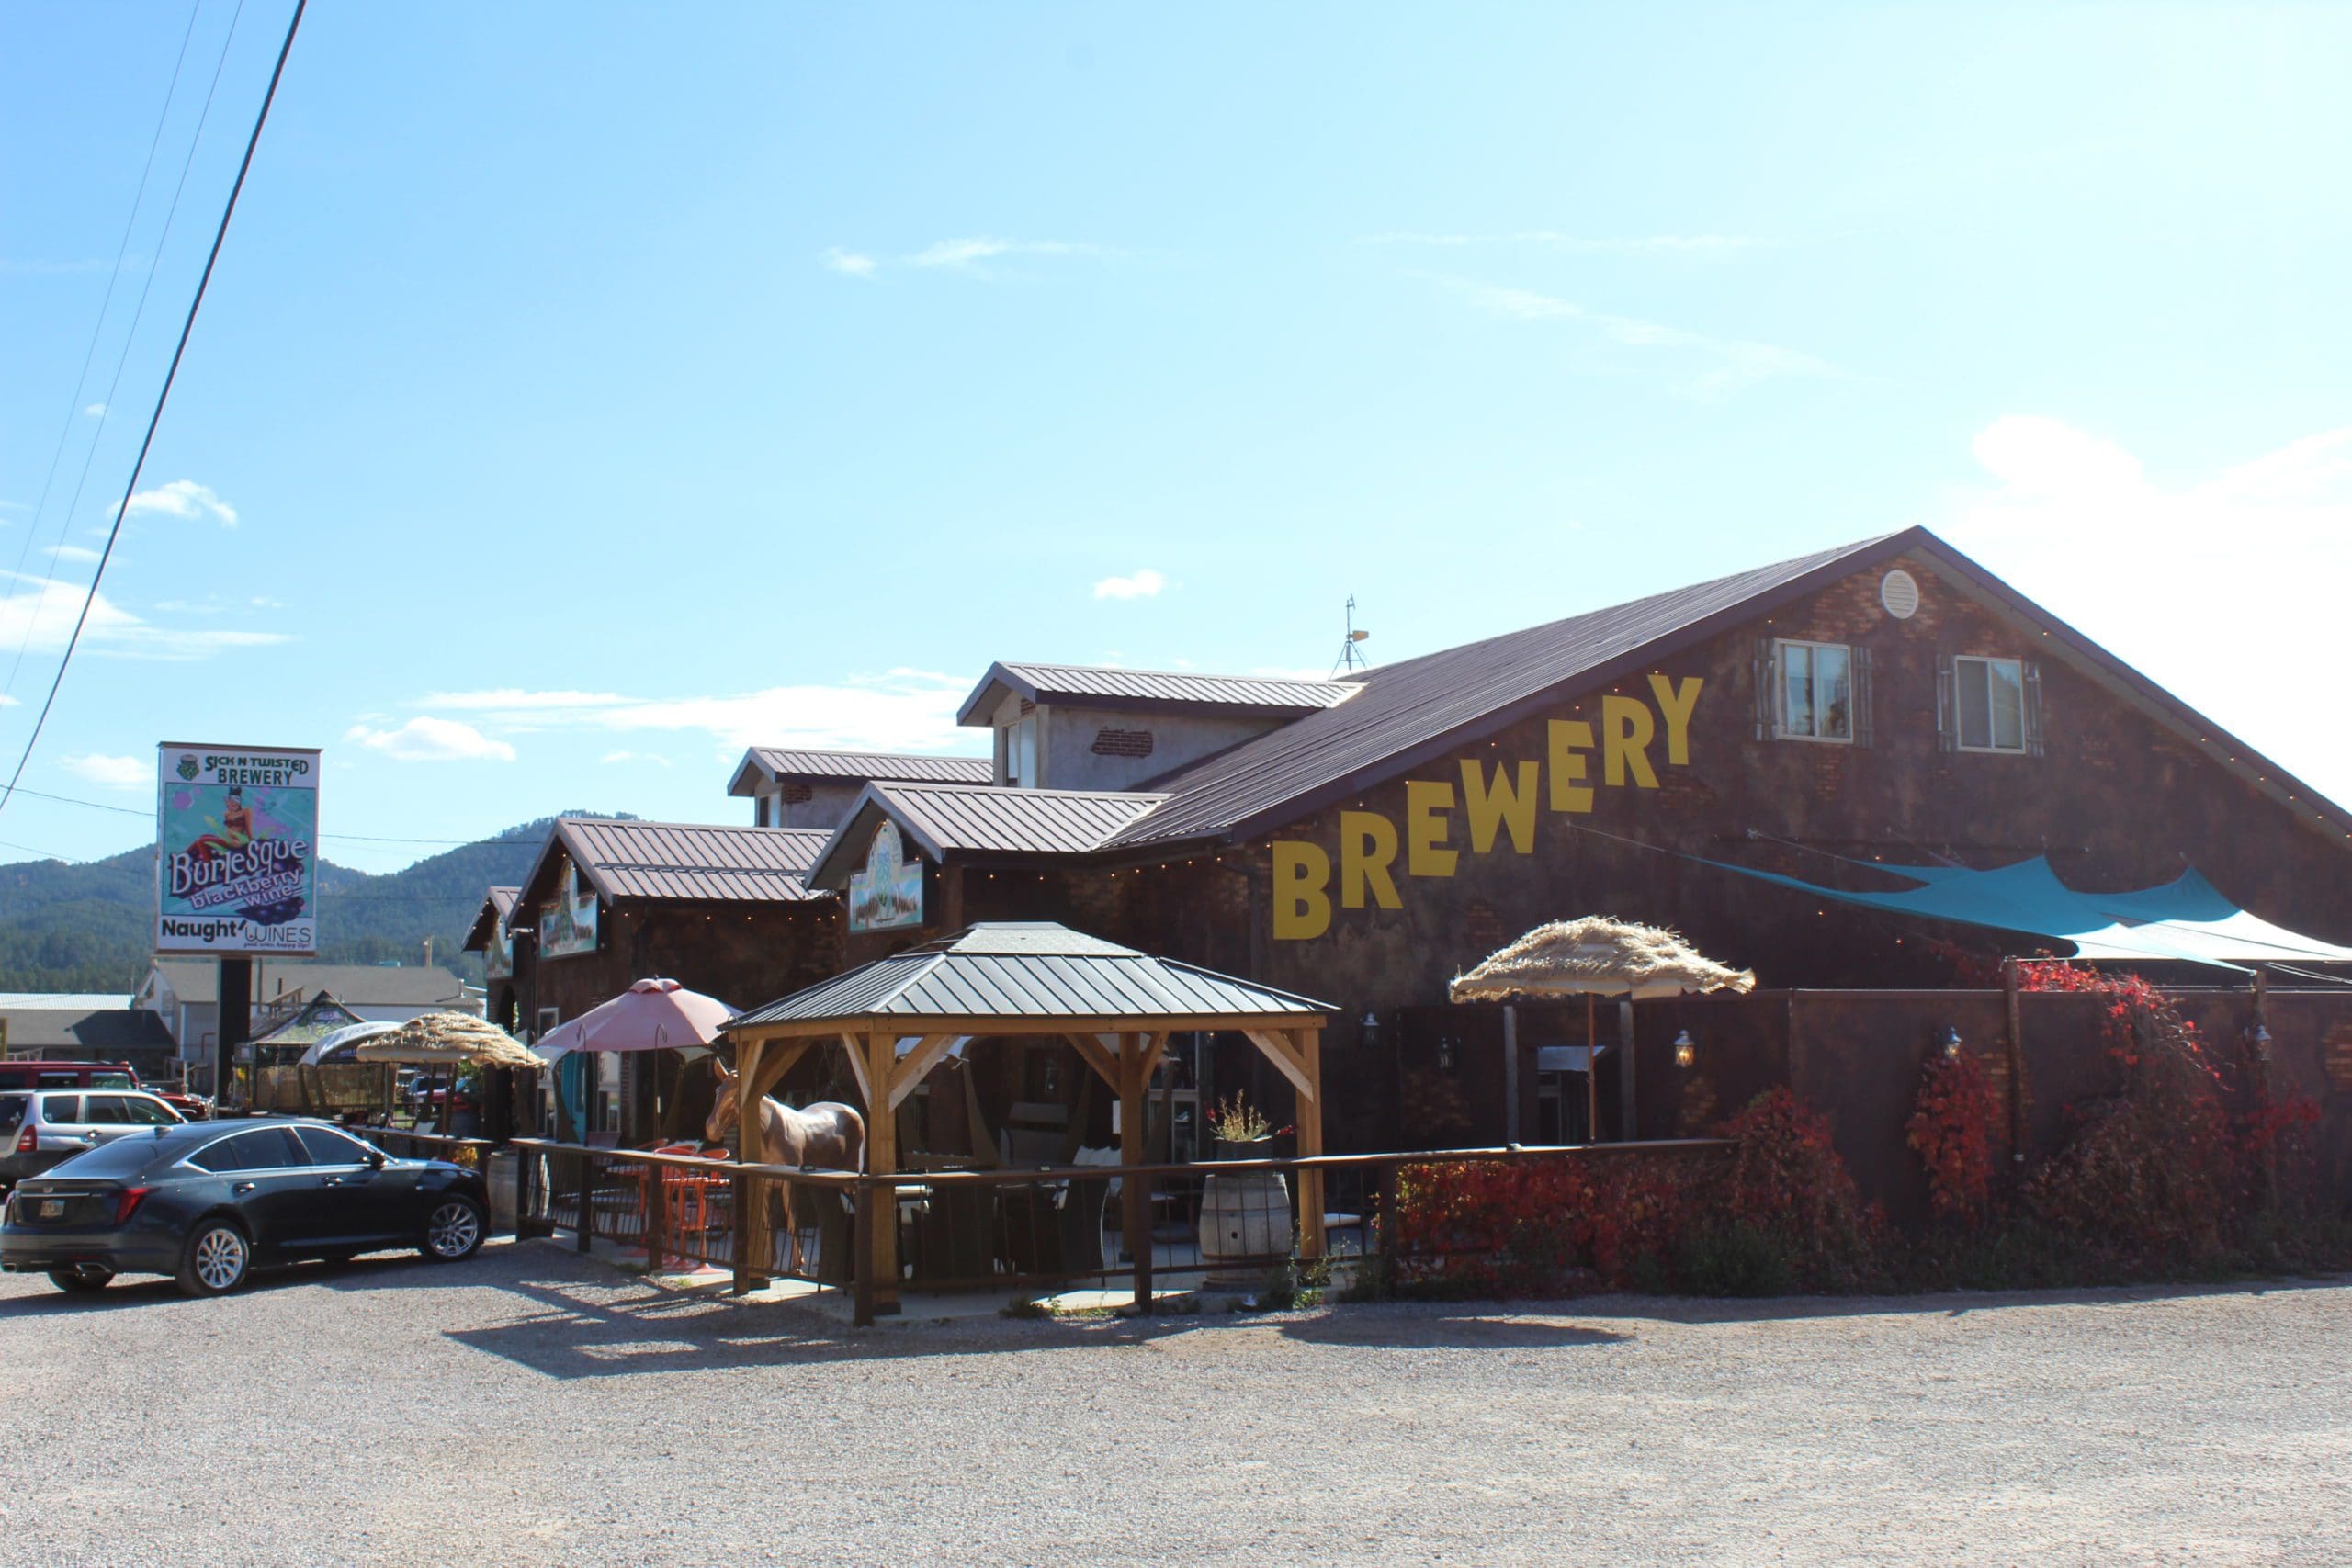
pixel 115 532
pixel 355 838
pixel 106 307
pixel 114 383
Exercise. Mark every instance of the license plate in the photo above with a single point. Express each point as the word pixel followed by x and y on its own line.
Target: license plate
pixel 52 1207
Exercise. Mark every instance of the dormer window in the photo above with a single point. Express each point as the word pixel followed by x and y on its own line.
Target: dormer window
pixel 1021 752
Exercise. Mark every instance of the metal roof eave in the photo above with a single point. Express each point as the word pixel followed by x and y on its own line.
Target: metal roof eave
pixel 740 785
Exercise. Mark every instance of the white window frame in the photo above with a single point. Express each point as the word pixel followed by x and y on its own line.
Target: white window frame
pixel 1959 732
pixel 1026 725
pixel 1780 730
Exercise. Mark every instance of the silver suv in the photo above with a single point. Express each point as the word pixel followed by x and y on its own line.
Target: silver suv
pixel 40 1127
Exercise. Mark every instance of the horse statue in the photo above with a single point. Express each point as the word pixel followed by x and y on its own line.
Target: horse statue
pixel 827 1135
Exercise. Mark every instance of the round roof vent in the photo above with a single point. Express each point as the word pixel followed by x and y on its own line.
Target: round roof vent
pixel 1899 592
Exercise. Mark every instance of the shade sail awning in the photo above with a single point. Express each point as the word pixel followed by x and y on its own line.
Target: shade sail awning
pixel 2186 920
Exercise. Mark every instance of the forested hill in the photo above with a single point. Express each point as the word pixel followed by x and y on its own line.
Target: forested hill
pixel 89 927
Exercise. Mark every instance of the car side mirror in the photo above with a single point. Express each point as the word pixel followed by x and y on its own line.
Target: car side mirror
pixel 375 1159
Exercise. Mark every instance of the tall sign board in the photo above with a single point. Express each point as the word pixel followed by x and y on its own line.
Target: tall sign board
pixel 236 850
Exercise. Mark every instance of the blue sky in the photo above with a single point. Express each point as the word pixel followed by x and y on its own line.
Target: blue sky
pixel 587 391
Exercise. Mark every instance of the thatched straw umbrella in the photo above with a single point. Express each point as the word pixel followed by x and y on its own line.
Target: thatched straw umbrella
pixel 444 1039
pixel 1595 957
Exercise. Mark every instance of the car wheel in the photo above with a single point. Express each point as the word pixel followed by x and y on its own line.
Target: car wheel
pixel 81 1279
pixel 454 1231
pixel 215 1260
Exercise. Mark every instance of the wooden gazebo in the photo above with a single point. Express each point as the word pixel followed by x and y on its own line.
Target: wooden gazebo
pixel 1114 1006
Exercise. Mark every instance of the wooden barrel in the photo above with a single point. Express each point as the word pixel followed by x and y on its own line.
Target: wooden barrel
pixel 1244 1217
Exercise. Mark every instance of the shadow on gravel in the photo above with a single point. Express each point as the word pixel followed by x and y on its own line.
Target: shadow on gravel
pixel 1941 1303
pixel 1452 1330
pixel 579 1320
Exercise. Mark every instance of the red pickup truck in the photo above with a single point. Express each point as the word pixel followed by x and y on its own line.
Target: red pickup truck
pixel 35 1074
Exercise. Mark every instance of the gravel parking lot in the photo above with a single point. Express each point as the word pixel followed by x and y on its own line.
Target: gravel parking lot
pixel 531 1406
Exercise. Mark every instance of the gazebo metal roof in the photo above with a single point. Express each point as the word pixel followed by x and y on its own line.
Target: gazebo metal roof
pixel 1018 971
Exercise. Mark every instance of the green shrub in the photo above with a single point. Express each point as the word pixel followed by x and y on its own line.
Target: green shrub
pixel 1736 1259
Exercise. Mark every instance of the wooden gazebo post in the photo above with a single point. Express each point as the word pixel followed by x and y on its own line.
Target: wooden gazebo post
pixel 882 1159
pixel 752 1248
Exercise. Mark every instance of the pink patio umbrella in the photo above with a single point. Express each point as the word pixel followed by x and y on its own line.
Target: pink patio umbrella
pixel 652 1015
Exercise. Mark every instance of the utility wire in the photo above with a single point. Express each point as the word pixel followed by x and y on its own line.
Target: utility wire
pixel 356 838
pixel 162 398
pixel 129 338
pixel 106 307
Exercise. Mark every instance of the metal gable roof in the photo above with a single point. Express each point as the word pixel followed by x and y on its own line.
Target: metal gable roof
pixel 496 905
pixel 1419 707
pixel 1097 686
pixel 1029 972
pixel 787 761
pixel 689 860
pixel 981 819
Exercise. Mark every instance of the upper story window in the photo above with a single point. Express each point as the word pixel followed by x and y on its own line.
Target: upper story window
pixel 1990 704
pixel 1020 751
pixel 761 812
pixel 1816 691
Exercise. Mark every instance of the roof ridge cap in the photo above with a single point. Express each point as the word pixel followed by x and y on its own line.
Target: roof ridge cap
pixel 1172 674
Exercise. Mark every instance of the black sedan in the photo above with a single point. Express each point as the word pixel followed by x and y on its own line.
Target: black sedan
pixel 207 1200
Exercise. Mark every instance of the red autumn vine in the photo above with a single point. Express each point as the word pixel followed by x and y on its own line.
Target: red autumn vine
pixel 1951 1129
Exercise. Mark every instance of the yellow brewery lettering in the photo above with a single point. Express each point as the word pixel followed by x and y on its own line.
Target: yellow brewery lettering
pixel 1499 804
pixel 1676 703
pixel 1428 803
pixel 1625 731
pixel 1302 891
pixel 1367 849
pixel 1498 795
pixel 1571 739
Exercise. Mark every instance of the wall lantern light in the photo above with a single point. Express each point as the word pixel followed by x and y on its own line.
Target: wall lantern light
pixel 1950 1041
pixel 2257 1035
pixel 1686 1050
pixel 1445 1056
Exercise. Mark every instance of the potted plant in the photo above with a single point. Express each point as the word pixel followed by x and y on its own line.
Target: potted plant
pixel 1244 1215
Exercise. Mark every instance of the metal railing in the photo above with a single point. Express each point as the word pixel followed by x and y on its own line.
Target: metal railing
pixel 688 1211
pixel 1236 1226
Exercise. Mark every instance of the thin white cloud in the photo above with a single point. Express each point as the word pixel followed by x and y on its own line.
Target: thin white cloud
pixel 1144 584
pixel 2193 580
pixel 966 253
pixel 113 772
pixel 95 410
pixel 1727 365
pixel 610 758
pixel 1636 245
pixel 72 552
pixel 976 248
pixel 39 612
pixel 905 710
pixel 425 739
pixel 183 499
pixel 8 701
